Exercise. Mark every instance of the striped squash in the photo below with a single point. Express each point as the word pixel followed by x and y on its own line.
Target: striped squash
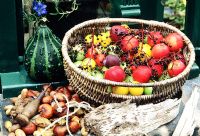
pixel 43 59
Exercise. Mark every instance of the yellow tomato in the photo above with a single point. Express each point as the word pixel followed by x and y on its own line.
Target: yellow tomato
pixel 120 90
pixel 136 91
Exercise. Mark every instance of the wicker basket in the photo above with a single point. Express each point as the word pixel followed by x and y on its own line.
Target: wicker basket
pixel 96 90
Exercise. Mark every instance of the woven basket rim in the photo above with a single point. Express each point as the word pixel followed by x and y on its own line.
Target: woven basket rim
pixel 126 20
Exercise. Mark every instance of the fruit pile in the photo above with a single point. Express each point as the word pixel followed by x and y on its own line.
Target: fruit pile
pixel 59 113
pixel 123 54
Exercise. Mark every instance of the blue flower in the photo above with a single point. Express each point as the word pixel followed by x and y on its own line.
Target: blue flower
pixel 39 8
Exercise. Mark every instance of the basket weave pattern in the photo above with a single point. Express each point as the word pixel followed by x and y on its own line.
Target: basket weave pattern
pixel 96 90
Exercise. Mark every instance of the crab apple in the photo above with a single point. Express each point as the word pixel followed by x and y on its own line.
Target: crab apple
pixel 59 97
pixel 115 73
pixel 174 41
pixel 65 91
pixel 62 111
pixel 154 38
pixel 74 126
pixel 175 67
pixel 142 74
pixel 47 99
pixel 99 59
pixel 29 129
pixel 45 111
pixel 128 43
pixel 117 32
pixel 60 130
pixel 160 51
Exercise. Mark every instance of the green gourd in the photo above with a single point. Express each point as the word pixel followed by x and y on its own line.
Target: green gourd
pixel 43 59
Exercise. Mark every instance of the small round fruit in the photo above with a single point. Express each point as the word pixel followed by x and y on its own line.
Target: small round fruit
pixel 160 51
pixel 74 126
pixel 59 96
pixel 174 41
pixel 45 111
pixel 61 112
pixel 120 90
pixel 129 43
pixel 142 74
pixel 47 99
pixel 148 90
pixel 115 73
pixel 88 63
pixel 29 129
pixel 60 130
pixel 175 68
pixel 136 91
